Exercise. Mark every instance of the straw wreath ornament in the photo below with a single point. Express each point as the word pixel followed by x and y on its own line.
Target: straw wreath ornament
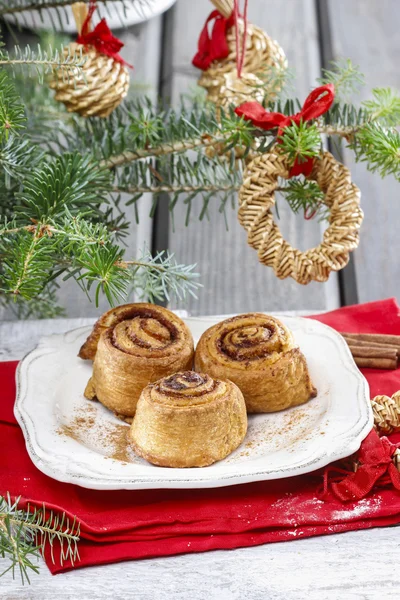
pixel 257 197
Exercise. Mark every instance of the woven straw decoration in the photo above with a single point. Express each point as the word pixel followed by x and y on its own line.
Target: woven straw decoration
pixel 386 412
pixel 98 90
pixel 341 196
pixel 102 84
pixel 262 53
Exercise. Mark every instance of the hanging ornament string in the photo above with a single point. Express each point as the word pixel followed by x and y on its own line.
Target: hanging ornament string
pixel 101 37
pixel 316 104
pixel 240 54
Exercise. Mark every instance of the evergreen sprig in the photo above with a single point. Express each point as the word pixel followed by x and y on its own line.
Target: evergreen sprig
pixel 300 141
pixel 379 148
pixel 12 111
pixel 345 76
pixel 39 62
pixel 25 533
pixel 305 196
pixel 385 107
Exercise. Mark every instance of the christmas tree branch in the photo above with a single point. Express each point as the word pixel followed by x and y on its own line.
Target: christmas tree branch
pixel 178 189
pixel 162 150
pixel 44 61
pixel 24 534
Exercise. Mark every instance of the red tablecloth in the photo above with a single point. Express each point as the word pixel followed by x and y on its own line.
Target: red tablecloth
pixel 126 525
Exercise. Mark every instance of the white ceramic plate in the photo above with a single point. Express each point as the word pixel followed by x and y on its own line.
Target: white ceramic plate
pixel 119 14
pixel 77 441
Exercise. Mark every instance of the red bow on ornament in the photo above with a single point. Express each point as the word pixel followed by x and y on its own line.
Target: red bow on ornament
pixel 316 104
pixel 376 468
pixel 213 47
pixel 101 38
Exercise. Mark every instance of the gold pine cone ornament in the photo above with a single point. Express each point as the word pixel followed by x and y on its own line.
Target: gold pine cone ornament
pixel 103 79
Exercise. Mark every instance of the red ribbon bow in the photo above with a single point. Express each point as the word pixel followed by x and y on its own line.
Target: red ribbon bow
pixel 316 104
pixel 101 38
pixel 216 46
pixel 376 468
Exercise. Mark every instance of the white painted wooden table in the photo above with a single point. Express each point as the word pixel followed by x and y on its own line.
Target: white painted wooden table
pixel 354 565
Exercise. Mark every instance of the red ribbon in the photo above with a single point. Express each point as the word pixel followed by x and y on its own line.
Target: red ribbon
pixel 213 47
pixel 101 38
pixel 376 468
pixel 316 104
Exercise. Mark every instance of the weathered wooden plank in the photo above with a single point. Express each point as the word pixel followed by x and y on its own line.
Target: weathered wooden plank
pixel 233 279
pixel 346 566
pixel 367 32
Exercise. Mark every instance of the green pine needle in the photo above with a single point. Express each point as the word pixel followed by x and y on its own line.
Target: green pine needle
pixel 385 107
pixel 345 76
pixel 24 534
pixel 12 112
pixel 379 148
pixel 301 141
pixel 305 196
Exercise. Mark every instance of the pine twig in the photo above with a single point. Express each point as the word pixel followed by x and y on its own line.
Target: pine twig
pixel 177 189
pixel 162 150
pixel 24 534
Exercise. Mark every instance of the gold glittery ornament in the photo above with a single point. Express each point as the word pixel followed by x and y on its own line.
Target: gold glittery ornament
pixel 102 83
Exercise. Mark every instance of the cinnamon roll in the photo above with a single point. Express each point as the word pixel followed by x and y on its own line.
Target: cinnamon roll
pixel 258 353
pixel 188 420
pixel 133 345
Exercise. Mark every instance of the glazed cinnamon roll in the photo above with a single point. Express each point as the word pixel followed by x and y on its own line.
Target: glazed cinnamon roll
pixel 188 420
pixel 258 353
pixel 133 345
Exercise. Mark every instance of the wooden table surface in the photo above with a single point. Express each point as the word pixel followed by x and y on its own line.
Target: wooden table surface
pixel 350 566
pixel 355 565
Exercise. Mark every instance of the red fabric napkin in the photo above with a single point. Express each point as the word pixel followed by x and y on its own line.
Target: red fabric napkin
pixel 122 525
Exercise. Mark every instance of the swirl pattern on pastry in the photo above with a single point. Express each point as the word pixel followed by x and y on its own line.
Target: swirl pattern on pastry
pixel 258 353
pixel 132 346
pixel 188 420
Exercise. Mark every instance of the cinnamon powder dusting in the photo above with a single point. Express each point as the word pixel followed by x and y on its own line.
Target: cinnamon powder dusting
pixel 105 437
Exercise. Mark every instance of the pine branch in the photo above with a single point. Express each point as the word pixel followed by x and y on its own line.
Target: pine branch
pixel 24 534
pixel 346 77
pixel 161 276
pixel 33 256
pixel 385 107
pixel 301 141
pixel 177 189
pixel 41 62
pixel 379 148
pixel 12 112
pixel 304 195
pixel 68 182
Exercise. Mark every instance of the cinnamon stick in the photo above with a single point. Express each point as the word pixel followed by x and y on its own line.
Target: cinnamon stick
pixel 375 363
pixel 368 352
pixel 378 338
pixel 362 344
